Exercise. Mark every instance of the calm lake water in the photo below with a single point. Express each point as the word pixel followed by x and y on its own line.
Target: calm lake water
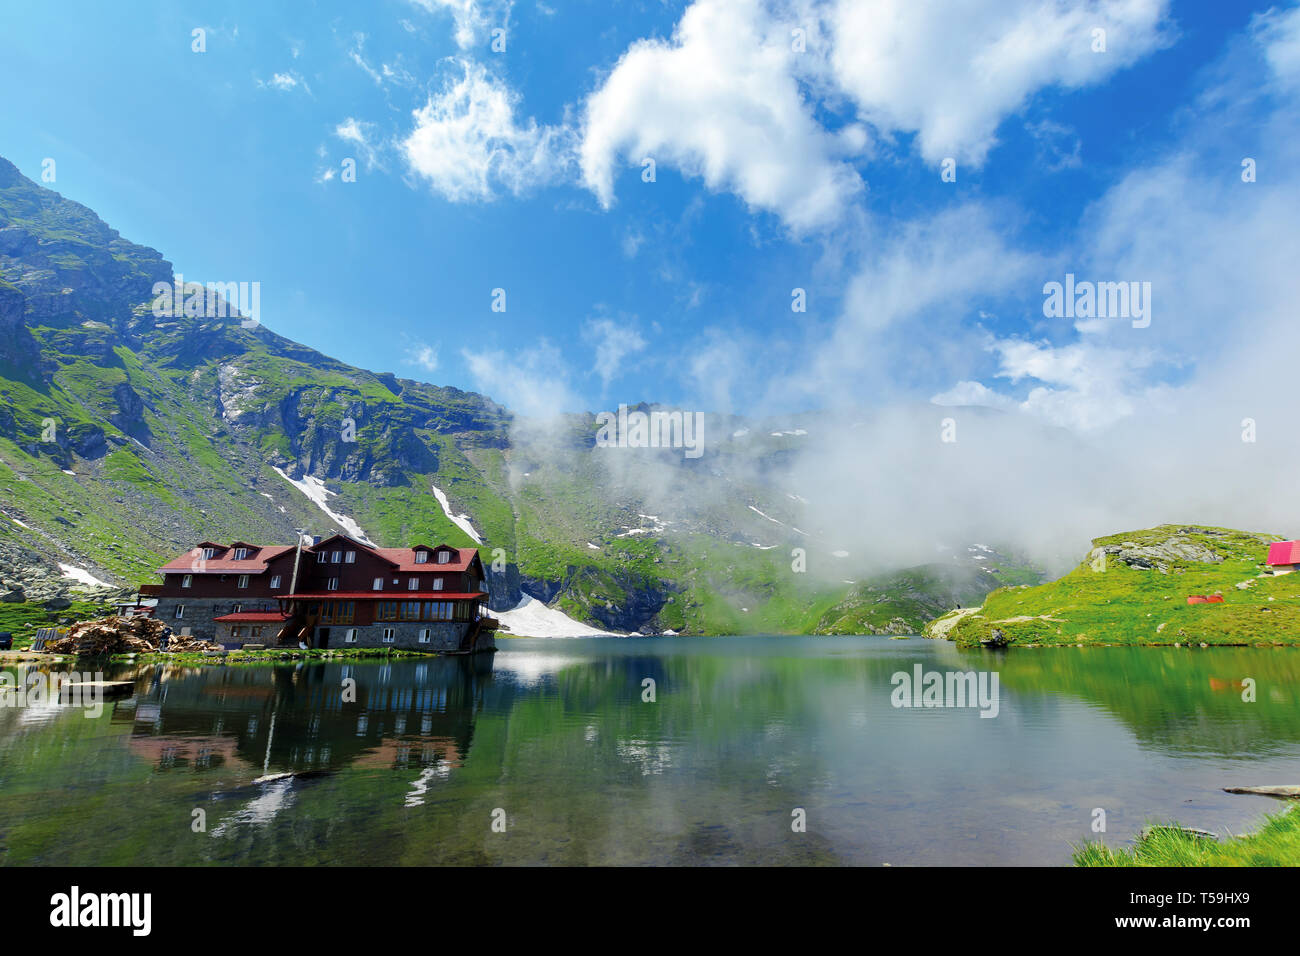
pixel 555 733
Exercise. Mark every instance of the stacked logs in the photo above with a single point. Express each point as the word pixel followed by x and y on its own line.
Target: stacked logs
pixel 124 635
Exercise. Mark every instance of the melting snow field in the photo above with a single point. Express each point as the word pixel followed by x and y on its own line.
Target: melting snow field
pixel 531 618
pixel 82 576
pixel 460 521
pixel 315 489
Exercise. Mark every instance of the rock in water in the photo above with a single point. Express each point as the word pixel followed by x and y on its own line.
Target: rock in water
pixel 1286 792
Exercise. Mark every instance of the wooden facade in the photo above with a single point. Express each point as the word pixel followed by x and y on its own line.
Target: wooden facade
pixel 298 594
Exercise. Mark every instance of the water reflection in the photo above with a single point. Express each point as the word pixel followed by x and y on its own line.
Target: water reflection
pixel 406 762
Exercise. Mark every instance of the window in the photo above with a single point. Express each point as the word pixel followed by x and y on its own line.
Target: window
pixel 333 584
pixel 321 557
pixel 413 584
pixel 236 632
pixel 350 636
pixel 444 557
pixel 241 554
pixel 187 580
pixel 180 611
pixel 386 611
pixel 379 584
pixel 350 557
pixel 410 610
pixel 275 582
pixel 422 557
pixel 424 635
pixel 237 609
pixel 437 584
pixel 209 552
pixel 338 612
pixel 243 581
pixel 254 633
pixel 390 635
pixel 336 556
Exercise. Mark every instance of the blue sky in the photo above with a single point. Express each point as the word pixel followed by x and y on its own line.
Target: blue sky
pixel 818 169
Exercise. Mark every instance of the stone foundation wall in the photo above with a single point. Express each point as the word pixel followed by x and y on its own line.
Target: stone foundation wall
pixel 443 636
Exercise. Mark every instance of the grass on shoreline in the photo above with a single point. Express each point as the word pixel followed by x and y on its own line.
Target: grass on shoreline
pixel 1276 843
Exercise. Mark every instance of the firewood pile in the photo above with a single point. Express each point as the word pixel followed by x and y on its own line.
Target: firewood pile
pixel 124 635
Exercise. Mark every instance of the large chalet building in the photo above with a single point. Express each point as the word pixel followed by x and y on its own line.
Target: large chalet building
pixel 336 593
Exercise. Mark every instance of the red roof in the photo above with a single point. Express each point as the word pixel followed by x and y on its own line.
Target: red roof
pixel 404 558
pixel 187 563
pixel 384 596
pixel 1284 552
pixel 274 617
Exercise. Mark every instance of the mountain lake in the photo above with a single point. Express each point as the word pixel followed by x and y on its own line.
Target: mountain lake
pixel 648 751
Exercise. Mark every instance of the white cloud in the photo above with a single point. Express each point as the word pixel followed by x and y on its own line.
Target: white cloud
pixel 425 356
pixel 614 341
pixel 467 142
pixel 362 135
pixel 1278 32
pixel 952 71
pixel 973 393
pixel 720 102
pixel 532 382
pixel 285 82
pixel 471 18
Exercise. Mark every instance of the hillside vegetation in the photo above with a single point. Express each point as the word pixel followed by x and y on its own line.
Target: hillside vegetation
pixel 1132 588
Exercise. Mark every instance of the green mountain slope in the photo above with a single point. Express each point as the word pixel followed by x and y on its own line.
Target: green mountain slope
pixel 1132 588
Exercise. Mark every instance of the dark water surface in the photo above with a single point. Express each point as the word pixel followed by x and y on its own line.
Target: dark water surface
pixel 555 734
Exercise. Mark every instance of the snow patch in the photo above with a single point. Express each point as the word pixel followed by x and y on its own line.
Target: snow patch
pixel 315 489
pixel 531 618
pixel 82 576
pixel 460 521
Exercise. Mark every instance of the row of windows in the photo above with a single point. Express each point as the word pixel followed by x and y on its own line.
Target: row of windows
pixel 424 611
pixel 241 554
pixel 412 584
pixel 188 580
pixel 390 635
pixel 350 557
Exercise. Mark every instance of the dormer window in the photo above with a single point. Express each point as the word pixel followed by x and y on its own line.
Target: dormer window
pixel 422 557
pixel 209 553
pixel 241 554
pixel 444 557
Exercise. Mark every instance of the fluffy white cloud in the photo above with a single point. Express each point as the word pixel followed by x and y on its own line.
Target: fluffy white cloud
pixel 613 342
pixel 951 71
pixel 467 142
pixel 531 382
pixel 425 356
pixel 720 101
pixel 286 82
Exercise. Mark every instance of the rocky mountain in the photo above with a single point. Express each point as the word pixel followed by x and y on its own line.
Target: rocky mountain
pixel 133 426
